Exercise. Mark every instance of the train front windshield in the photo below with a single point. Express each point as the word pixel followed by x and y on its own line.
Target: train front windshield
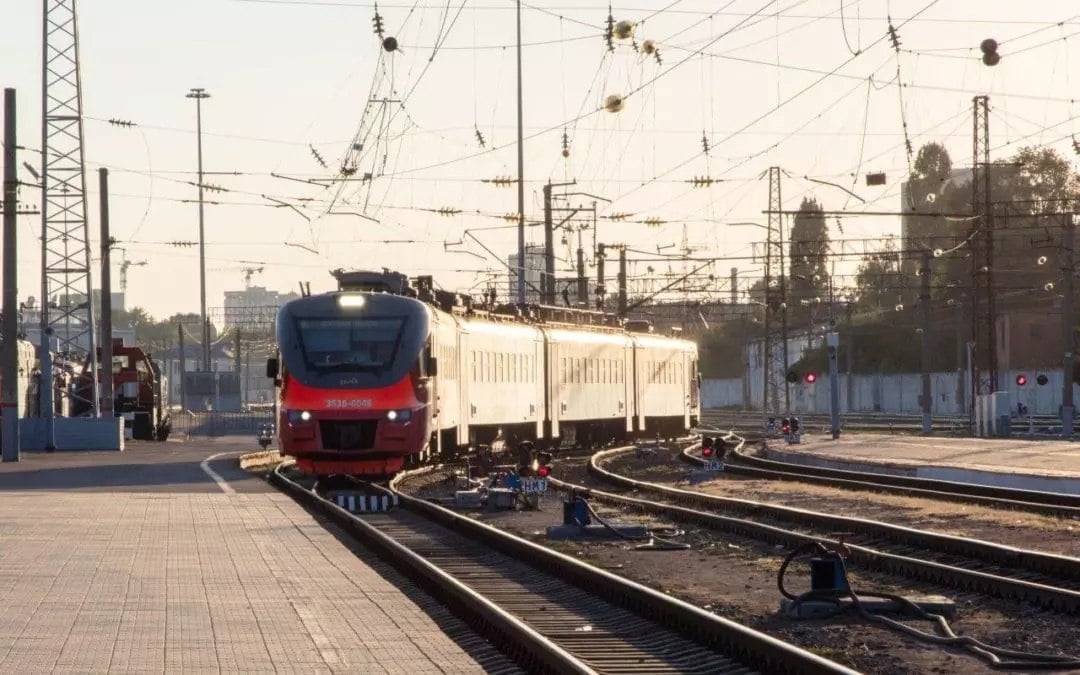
pixel 343 345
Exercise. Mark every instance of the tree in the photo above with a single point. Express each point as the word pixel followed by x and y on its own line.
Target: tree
pixel 879 283
pixel 809 249
pixel 723 349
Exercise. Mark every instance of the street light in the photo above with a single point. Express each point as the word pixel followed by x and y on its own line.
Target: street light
pixel 199 94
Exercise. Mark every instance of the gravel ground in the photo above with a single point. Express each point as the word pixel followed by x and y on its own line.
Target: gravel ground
pixel 736 577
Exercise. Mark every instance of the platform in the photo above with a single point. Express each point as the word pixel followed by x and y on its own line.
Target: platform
pixel 157 560
pixel 1046 465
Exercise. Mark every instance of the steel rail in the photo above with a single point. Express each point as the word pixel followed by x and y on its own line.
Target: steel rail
pixel 1021 566
pixel 460 560
pixel 1047 503
pixel 745 645
pixel 522 643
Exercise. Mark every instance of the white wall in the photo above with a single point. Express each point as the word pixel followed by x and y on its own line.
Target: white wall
pixel 896 393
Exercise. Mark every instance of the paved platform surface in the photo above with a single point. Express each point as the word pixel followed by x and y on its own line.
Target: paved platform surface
pixel 141 562
pixel 1035 465
pixel 1048 458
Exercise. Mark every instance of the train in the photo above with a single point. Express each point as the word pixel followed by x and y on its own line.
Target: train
pixel 379 376
pixel 140 393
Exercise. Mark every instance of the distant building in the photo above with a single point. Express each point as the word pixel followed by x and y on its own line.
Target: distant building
pixel 1028 339
pixel 74 328
pixel 534 271
pixel 252 312
pixel 254 306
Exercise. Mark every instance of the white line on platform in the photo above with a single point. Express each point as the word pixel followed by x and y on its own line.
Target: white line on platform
pixel 214 475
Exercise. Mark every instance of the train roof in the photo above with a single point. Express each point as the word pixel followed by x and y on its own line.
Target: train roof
pixel 521 320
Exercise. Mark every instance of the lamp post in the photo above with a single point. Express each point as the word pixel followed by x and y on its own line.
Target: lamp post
pixel 199 94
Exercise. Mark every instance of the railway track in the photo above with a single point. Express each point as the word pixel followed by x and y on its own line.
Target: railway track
pixel 1047 580
pixel 1048 503
pixel 550 612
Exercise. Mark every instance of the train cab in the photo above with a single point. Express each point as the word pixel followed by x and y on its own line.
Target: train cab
pixel 353 377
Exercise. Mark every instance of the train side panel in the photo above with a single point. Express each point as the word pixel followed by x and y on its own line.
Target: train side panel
pixel 503 380
pixel 662 382
pixel 589 380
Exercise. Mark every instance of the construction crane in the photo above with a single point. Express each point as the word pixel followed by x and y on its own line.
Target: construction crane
pixel 250 272
pixel 124 265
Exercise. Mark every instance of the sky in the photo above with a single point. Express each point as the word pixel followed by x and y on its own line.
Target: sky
pixel 300 89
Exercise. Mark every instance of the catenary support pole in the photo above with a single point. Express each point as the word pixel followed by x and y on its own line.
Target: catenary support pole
pixel 601 291
pixel 547 285
pixel 183 366
pixel 107 386
pixel 833 341
pixel 9 360
pixel 622 282
pixel 521 171
pixel 924 339
pixel 1068 331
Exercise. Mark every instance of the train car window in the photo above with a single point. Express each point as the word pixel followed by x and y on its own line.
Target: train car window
pixel 475 367
pixel 350 344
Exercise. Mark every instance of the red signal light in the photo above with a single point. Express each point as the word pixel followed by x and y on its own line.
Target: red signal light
pixel 706 452
pixel 811 378
pixel 1021 380
pixel 543 471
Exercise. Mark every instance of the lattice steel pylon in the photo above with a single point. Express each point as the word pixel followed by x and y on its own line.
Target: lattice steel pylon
pixel 66 287
pixel 775 351
pixel 984 362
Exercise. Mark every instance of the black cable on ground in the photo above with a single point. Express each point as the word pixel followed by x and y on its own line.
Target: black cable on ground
pixel 991 654
pixel 654 544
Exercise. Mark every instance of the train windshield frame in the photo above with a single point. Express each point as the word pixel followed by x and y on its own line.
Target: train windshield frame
pixel 355 344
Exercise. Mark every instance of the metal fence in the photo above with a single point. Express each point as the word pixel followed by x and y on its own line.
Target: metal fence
pixel 209 424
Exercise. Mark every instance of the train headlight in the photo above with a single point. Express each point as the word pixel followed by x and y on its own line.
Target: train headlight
pixel 351 301
pixel 298 416
pixel 401 416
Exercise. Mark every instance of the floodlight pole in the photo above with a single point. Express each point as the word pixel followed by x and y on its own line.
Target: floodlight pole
pixel 521 172
pixel 199 94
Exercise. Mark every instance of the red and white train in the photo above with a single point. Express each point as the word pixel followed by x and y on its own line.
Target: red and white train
pixel 371 379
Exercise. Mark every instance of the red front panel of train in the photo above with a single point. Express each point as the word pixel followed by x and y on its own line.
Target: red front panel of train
pixel 353 431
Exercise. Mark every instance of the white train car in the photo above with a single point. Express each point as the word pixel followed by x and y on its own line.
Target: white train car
pixel 589 384
pixel 502 381
pixel 446 401
pixel 665 384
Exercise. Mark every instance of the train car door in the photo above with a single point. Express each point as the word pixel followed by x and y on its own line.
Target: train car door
pixel 537 371
pixel 553 369
pixel 689 373
pixel 626 373
pixel 467 371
